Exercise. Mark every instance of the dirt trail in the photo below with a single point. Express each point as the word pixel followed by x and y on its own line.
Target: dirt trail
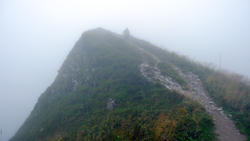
pixel 225 127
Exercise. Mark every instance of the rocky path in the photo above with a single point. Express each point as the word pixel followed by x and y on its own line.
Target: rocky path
pixel 225 127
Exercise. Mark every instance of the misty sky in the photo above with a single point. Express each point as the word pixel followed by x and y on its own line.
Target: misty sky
pixel 37 35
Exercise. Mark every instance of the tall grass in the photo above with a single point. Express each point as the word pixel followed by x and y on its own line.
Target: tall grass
pixel 229 90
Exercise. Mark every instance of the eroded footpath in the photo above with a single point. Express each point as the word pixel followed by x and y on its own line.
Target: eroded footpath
pixel 225 127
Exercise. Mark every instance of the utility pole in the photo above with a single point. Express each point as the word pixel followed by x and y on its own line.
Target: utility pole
pixel 220 61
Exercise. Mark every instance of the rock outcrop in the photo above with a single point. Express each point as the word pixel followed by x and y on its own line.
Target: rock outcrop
pixel 111 104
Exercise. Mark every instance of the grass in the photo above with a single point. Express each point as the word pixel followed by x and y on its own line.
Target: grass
pixel 167 70
pixel 229 90
pixel 104 67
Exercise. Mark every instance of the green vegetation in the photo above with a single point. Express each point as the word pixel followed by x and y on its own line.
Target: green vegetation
pixel 229 90
pixel 232 94
pixel 103 66
pixel 167 70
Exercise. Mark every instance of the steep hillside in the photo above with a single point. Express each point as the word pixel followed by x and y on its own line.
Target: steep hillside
pixel 100 93
pixel 229 91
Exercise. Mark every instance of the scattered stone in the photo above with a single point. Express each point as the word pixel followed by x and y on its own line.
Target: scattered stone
pixel 195 89
pixel 111 104
pixel 219 109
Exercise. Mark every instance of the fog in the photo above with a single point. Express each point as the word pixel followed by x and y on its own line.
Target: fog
pixel 36 36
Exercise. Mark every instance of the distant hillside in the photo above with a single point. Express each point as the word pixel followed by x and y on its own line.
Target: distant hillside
pixel 100 93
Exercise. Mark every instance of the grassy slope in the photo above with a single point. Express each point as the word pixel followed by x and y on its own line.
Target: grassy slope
pixel 109 69
pixel 227 89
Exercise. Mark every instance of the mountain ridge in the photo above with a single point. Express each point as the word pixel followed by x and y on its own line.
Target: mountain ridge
pixel 102 66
